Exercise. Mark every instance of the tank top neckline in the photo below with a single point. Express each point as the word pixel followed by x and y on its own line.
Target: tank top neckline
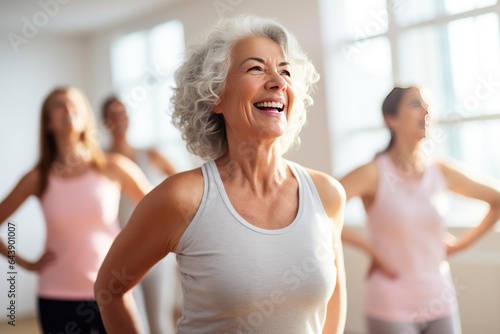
pixel 91 171
pixel 408 181
pixel 222 192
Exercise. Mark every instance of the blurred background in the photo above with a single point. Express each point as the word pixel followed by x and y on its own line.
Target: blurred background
pixel 362 48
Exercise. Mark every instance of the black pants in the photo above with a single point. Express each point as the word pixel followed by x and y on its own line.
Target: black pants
pixel 69 316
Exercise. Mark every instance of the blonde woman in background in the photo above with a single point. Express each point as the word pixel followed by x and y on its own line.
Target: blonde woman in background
pixel 79 189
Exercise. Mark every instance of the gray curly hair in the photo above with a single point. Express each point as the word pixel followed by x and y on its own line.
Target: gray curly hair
pixel 201 78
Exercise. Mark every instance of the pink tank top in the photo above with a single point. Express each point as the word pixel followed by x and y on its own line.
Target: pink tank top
pixel 81 218
pixel 406 226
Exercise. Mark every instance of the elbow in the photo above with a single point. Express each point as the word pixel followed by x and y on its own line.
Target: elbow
pixel 107 290
pixel 101 293
pixel 495 204
pixel 495 208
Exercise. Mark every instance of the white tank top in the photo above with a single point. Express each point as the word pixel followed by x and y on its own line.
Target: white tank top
pixel 239 278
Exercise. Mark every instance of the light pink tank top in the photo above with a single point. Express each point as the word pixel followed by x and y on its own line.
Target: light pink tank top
pixel 81 218
pixel 407 228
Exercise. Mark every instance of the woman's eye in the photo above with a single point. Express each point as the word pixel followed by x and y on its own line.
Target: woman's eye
pixel 286 72
pixel 255 68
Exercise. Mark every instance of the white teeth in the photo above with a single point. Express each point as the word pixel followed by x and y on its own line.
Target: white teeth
pixel 269 105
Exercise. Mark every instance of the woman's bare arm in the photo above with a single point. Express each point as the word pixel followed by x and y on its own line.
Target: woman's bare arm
pixel 131 178
pixel 468 183
pixel 161 163
pixel 333 199
pixel 26 187
pixel 153 231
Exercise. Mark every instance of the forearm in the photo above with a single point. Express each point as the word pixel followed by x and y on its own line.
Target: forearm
pixel 336 315
pixel 5 251
pixel 337 306
pixel 350 237
pixel 475 233
pixel 169 169
pixel 10 252
pixel 118 312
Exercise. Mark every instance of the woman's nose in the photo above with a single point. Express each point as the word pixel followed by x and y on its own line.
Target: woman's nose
pixel 276 81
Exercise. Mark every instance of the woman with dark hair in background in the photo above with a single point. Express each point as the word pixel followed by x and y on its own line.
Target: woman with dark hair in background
pixel 408 243
pixel 160 289
pixel 257 237
pixel 79 189
pixel 116 121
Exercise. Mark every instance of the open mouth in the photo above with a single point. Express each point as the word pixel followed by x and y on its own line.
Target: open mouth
pixel 269 106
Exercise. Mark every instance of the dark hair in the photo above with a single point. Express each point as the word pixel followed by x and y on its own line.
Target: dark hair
pixel 390 108
pixel 105 105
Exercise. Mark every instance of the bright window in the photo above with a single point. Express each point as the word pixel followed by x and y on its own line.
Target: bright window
pixel 143 66
pixel 450 48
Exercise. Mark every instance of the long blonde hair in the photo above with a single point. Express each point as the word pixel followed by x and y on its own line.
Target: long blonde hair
pixel 48 147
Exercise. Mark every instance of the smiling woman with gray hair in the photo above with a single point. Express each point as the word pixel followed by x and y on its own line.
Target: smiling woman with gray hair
pixel 203 77
pixel 257 237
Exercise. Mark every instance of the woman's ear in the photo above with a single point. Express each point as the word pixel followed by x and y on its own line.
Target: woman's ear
pixel 391 122
pixel 217 109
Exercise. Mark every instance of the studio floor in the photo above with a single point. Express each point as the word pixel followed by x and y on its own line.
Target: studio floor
pixel 23 326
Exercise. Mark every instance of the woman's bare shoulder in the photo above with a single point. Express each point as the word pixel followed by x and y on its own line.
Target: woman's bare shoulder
pixel 367 171
pixel 182 192
pixel 168 209
pixel 361 181
pixel 33 176
pixel 185 182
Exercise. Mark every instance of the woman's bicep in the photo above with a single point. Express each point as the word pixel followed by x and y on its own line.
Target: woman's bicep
pixel 471 184
pixel 336 309
pixel 162 163
pixel 135 250
pixel 360 182
pixel 154 230
pixel 26 187
pixel 133 182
